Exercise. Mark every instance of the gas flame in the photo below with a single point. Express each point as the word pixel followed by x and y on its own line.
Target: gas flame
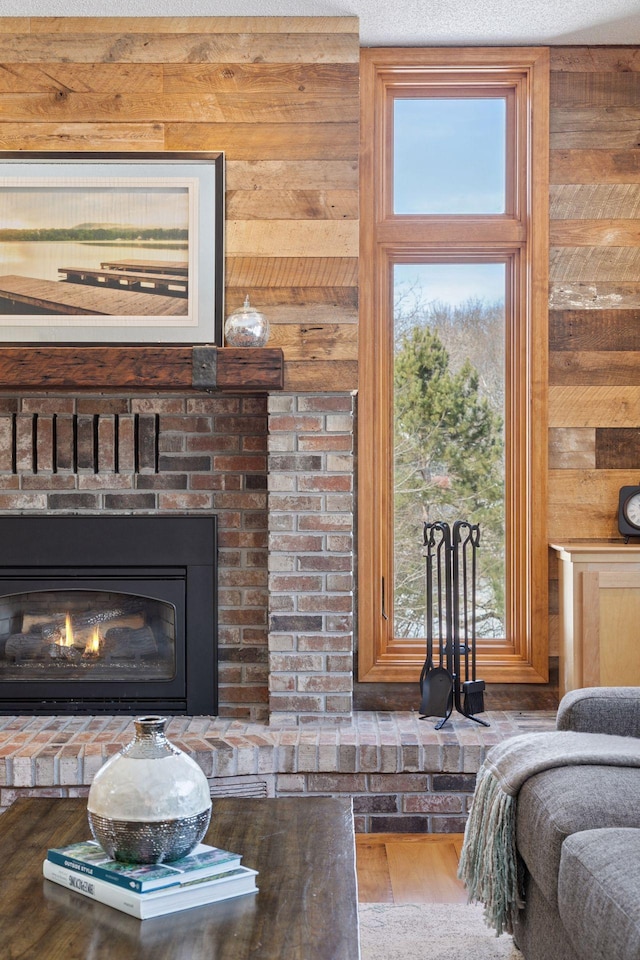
pixel 93 643
pixel 67 640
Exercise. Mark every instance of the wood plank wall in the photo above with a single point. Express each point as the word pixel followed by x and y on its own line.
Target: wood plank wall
pixel 278 95
pixel 594 342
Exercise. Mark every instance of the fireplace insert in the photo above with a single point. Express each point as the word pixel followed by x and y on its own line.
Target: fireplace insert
pixel 108 614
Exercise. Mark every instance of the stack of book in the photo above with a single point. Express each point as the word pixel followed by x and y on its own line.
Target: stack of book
pixel 207 875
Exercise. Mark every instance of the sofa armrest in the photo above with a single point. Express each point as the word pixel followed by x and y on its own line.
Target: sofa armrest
pixel 613 710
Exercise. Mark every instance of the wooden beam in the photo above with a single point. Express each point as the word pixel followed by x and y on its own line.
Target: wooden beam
pixel 138 368
pixel 247 368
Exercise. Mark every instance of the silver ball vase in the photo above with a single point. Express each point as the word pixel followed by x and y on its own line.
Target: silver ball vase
pixel 149 803
pixel 246 327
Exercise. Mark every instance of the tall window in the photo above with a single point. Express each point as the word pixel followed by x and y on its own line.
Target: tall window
pixel 453 358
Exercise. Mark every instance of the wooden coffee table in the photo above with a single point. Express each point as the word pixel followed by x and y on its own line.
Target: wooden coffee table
pixel 306 908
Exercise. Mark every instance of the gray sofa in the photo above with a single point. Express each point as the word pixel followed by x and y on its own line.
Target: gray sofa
pixel 578 833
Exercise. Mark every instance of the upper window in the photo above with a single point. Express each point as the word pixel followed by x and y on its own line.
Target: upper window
pixel 449 155
pixel 452 412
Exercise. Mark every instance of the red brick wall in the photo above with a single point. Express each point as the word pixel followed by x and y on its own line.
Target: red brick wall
pixel 159 455
pixel 289 561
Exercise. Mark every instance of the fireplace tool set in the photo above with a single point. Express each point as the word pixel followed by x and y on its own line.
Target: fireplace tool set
pixel 450 554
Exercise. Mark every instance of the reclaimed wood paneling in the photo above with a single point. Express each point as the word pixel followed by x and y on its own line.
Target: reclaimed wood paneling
pixel 577 295
pixel 136 47
pixel 594 263
pixel 296 175
pixel 617 449
pixel 218 108
pixel 572 448
pixel 292 204
pixel 318 238
pixel 315 79
pixel 598 368
pixel 204 25
pixel 80 77
pixel 594 347
pixel 594 166
pixel 594 323
pixel 267 141
pixel 581 59
pixel 280 97
pixel 321 375
pixel 595 88
pixel 594 233
pixel 580 127
pixel 320 341
pixel 340 304
pixel 594 406
pixel 595 201
pixel 299 271
pixel 116 137
pixel 583 504
pixel 12 25
pixel 594 330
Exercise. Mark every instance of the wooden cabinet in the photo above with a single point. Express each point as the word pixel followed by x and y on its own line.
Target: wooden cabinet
pixel 599 614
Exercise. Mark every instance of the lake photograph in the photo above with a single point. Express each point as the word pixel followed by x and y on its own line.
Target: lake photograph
pixel 114 249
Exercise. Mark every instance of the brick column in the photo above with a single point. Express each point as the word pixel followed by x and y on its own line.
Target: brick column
pixel 311 558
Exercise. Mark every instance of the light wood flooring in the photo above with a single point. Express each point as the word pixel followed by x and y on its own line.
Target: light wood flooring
pixel 409 868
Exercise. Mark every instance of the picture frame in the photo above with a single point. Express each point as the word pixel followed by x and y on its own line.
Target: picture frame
pixel 112 248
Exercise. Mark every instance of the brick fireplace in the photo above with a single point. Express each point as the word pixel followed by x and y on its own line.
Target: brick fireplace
pixel 276 471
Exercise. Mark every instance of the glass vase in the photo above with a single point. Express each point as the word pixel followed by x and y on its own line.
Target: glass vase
pixel 246 327
pixel 149 803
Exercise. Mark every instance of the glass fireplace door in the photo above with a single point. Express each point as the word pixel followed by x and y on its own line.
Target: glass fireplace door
pixel 123 634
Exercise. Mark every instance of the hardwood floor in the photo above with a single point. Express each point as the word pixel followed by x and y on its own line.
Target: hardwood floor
pixel 409 868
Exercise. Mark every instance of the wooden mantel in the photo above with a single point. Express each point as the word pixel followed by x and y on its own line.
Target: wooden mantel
pixel 141 367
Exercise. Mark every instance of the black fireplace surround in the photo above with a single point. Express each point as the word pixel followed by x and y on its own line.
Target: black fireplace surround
pixel 108 615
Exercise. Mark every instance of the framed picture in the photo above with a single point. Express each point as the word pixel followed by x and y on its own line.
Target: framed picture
pixel 111 248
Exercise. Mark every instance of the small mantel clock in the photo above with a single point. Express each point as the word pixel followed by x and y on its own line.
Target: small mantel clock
pixel 629 512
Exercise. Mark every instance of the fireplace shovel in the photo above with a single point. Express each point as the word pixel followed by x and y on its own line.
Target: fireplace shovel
pixel 436 686
pixel 436 683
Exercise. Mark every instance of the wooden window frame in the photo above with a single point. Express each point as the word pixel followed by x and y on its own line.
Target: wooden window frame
pixel 519 237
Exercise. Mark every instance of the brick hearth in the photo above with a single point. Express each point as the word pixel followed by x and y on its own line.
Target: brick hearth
pixel 402 774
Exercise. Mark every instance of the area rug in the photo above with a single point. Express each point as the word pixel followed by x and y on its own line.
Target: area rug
pixel 430 931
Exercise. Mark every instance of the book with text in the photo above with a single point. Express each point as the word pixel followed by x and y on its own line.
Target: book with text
pixel 233 883
pixel 89 859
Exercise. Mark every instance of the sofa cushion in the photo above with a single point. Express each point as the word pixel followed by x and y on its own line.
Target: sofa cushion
pixel 559 802
pixel 601 710
pixel 599 893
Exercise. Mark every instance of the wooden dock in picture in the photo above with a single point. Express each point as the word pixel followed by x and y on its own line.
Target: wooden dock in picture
pixel 179 268
pixel 168 284
pixel 60 297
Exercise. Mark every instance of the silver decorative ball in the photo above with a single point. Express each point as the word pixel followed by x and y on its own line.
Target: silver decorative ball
pixel 246 327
